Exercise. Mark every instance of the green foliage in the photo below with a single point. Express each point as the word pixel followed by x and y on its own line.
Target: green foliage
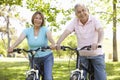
pixel 2 48
pixel 51 11
pixel 69 41
pixel 24 45
pixel 10 2
pixel 106 11
pixel 45 7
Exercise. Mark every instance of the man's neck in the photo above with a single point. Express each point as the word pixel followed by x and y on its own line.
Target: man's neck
pixel 84 20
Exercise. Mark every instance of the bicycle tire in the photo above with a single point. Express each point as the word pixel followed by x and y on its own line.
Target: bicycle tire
pixel 91 77
pixel 91 72
pixel 31 76
pixel 76 76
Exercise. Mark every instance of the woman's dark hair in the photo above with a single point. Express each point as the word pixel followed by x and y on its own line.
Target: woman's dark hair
pixel 40 13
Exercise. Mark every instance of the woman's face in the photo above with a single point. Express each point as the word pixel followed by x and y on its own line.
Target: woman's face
pixel 38 20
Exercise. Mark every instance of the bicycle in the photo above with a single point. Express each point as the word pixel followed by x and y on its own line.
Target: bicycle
pixel 33 73
pixel 77 74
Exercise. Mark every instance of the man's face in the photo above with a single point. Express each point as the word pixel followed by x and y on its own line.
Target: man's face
pixel 81 12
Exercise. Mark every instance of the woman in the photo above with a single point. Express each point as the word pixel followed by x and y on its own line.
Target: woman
pixel 38 36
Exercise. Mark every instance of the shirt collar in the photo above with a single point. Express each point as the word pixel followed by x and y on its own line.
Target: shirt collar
pixel 89 20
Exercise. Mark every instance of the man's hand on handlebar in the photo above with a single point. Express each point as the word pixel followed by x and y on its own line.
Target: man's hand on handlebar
pixel 94 46
pixel 58 47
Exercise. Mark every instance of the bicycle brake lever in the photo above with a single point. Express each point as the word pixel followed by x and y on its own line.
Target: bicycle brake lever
pixel 18 50
pixel 63 48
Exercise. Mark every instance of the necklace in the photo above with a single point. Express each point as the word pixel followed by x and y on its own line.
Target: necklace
pixel 35 37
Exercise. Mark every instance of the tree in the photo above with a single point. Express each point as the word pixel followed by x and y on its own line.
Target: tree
pixel 115 56
pixel 51 11
pixel 108 13
pixel 6 7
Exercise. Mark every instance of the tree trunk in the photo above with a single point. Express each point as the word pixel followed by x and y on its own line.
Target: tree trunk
pixel 8 33
pixel 115 56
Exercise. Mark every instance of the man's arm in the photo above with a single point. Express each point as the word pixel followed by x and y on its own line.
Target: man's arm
pixel 100 38
pixel 63 36
pixel 100 35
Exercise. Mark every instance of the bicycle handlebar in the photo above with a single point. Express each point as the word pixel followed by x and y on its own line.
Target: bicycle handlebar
pixel 18 50
pixel 78 49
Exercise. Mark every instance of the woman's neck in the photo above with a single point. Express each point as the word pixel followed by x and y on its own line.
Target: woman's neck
pixel 36 31
pixel 36 27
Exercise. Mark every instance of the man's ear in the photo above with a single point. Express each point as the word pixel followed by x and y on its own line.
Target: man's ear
pixel 87 10
pixel 75 13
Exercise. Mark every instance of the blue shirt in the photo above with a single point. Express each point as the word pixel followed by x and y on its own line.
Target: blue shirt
pixel 35 42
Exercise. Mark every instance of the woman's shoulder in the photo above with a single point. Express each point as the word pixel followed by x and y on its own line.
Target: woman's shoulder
pixel 44 28
pixel 29 28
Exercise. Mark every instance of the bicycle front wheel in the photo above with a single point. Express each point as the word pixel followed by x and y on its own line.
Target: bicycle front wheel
pixel 76 76
pixel 31 77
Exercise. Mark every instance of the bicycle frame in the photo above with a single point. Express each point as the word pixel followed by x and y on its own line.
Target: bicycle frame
pixel 79 68
pixel 77 74
pixel 33 73
pixel 34 70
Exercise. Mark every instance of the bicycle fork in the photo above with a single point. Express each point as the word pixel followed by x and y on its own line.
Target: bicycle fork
pixel 77 75
pixel 34 72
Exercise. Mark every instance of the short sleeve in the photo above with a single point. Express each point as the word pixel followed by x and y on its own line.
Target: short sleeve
pixel 97 24
pixel 71 25
pixel 25 31
pixel 45 29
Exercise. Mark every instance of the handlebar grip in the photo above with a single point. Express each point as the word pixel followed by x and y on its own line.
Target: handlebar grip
pixel 62 47
pixel 17 50
pixel 89 47
pixel 48 47
pixel 43 48
pixel 99 46
pixel 65 47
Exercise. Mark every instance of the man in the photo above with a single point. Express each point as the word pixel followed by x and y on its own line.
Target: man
pixel 88 31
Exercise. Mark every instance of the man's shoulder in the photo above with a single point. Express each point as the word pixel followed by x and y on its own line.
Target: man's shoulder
pixel 73 20
pixel 93 17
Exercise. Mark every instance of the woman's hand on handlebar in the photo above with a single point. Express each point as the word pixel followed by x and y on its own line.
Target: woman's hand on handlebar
pixel 10 50
pixel 52 46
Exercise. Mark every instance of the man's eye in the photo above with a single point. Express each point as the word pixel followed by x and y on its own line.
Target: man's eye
pixel 79 12
pixel 83 10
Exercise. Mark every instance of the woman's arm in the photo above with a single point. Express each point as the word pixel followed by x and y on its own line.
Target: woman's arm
pixel 18 41
pixel 50 38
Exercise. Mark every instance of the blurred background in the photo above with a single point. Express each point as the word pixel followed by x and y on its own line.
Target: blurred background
pixel 15 15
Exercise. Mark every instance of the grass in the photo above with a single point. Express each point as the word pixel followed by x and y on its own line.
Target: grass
pixel 61 70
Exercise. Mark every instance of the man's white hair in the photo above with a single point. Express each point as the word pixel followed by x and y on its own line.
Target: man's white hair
pixel 82 5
